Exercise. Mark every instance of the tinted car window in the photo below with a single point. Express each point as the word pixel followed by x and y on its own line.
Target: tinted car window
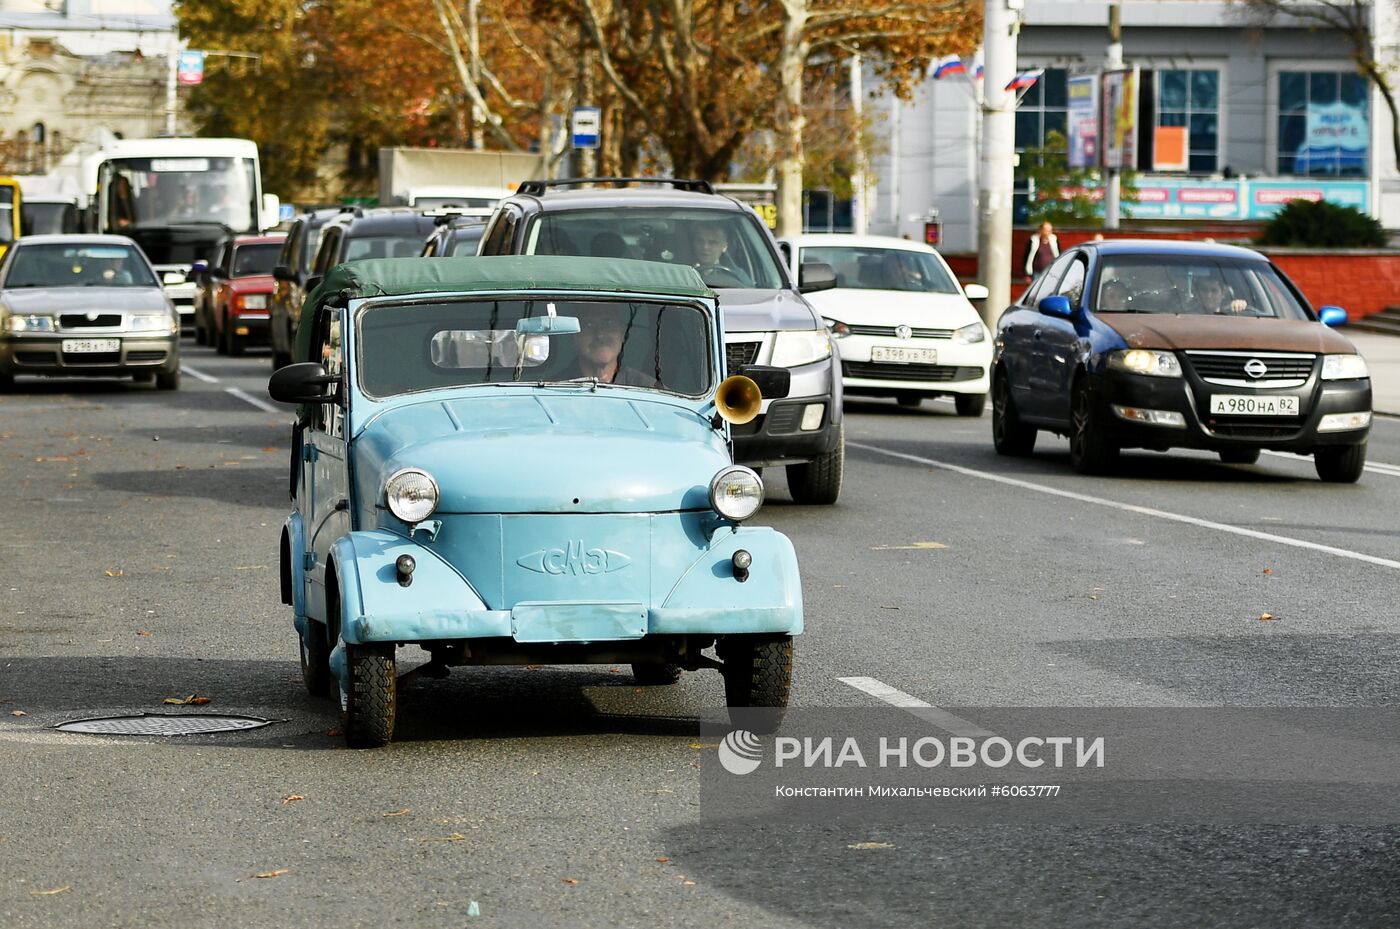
pixel 91 265
pixel 741 258
pixel 1181 284
pixel 405 246
pixel 255 259
pixel 884 268
pixel 404 348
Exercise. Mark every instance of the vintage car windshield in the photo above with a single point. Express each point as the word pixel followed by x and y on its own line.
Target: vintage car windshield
pixel 726 246
pixel 874 268
pixel 426 346
pixel 1193 285
pixel 91 265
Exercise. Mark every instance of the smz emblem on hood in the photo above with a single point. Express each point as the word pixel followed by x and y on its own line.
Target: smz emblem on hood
pixel 574 559
pixel 1255 368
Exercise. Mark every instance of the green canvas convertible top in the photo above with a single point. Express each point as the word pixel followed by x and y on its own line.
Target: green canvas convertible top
pixel 382 277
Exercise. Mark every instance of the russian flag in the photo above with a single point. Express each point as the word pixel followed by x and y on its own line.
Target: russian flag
pixel 950 65
pixel 1025 79
pixel 977 73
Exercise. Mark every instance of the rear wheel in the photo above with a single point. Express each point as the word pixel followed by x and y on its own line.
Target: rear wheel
pixel 970 404
pixel 1090 451
pixel 1340 464
pixel 1009 434
pixel 236 346
pixel 368 699
pixel 656 673
pixel 757 679
pixel 819 481
pixel 315 659
pixel 1242 456
pixel 220 340
pixel 201 335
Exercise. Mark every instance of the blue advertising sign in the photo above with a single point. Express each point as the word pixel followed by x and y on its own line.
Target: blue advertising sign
pixel 1082 121
pixel 1191 198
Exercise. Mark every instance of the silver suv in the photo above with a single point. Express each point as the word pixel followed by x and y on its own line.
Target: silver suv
pixel 766 319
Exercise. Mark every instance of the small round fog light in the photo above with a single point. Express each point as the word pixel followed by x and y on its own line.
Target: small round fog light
pixel 741 561
pixel 403 567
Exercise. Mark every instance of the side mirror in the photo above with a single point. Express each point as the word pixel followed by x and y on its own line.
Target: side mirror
pixel 975 291
pixel 774 383
pixel 271 212
pixel 547 325
pixel 1056 305
pixel 197 270
pixel 1331 315
pixel 304 382
pixel 813 276
pixel 281 273
pixel 313 281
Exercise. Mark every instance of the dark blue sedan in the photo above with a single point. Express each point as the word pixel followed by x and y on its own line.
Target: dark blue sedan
pixel 1158 345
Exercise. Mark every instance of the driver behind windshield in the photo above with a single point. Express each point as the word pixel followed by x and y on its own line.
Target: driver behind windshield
pixel 602 334
pixel 1209 297
pixel 710 246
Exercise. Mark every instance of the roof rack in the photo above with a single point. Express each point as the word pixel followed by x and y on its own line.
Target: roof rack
pixel 539 187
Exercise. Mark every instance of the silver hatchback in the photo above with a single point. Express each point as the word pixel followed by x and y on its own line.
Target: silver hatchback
pixel 85 305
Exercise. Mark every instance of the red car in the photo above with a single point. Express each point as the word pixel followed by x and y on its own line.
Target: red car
pixel 238 288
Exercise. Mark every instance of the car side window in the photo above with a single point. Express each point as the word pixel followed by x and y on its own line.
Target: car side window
pixel 1072 284
pixel 498 240
pixel 329 417
pixel 325 256
pixel 291 248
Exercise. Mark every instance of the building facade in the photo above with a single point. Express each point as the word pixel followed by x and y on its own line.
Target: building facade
pixel 1234 118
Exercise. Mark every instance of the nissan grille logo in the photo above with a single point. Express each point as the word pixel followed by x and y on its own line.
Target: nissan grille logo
pixel 1255 368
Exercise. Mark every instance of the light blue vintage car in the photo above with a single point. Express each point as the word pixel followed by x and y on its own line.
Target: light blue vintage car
pixel 526 460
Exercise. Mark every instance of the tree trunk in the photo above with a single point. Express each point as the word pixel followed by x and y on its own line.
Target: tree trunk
pixel 791 62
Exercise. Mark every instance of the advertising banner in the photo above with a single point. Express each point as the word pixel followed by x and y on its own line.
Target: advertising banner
pixel 1120 105
pixel 1192 198
pixel 1082 121
pixel 1336 139
pixel 189 68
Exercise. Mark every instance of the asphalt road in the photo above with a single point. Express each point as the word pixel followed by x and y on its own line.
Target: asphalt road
pixel 139 563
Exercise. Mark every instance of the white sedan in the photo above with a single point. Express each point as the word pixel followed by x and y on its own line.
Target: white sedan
pixel 899 319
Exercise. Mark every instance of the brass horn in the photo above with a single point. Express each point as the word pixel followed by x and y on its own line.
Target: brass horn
pixel 738 399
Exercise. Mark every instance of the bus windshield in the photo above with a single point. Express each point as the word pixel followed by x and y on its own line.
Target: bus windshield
pixel 147 192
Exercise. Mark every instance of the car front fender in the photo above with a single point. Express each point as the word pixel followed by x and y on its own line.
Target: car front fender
pixel 709 596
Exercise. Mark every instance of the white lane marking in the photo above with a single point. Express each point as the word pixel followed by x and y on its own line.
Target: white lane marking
pixel 199 375
pixel 252 400
pixel 920 708
pixel 1133 508
pixel 1378 467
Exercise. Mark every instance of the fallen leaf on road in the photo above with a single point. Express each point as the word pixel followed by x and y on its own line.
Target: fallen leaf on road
pixel 687 883
pixel 1268 570
pixel 49 893
pixel 18 713
pixel 1266 616
pixel 570 880
pixel 614 670
pixel 403 812
pixel 145 632
pixel 454 837
pixel 117 573
pixel 862 846
pixel 269 449
pixel 292 798
pixel 532 667
pixel 334 733
pixel 662 860
pixel 704 745
pixel 278 873
pixel 191 700
pixel 917 546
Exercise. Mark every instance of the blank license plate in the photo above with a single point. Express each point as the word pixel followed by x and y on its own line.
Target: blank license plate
pixel 922 356
pixel 1244 405
pixel 81 346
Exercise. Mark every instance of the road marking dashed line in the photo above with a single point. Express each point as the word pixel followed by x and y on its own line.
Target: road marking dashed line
pixel 252 400
pixel 1133 508
pixel 199 375
pixel 1378 467
pixel 920 708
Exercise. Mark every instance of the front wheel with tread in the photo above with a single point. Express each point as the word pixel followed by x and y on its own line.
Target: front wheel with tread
pixel 970 404
pixel 819 481
pixel 315 659
pixel 168 380
pixel 1340 464
pixel 368 700
pixel 1010 436
pixel 757 678
pixel 1090 451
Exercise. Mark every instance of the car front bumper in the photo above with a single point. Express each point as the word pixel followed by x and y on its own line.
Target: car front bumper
pixel 959 368
pixel 37 353
pixel 801 427
pixel 1190 396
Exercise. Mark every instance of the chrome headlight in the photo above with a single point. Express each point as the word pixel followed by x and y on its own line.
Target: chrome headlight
pixel 151 322
pixel 971 333
pixel 736 493
pixel 1344 367
pixel 1145 361
pixel 30 323
pixel 411 494
pixel 802 347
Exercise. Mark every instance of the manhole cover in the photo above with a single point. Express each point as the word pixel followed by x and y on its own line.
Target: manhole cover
pixel 162 724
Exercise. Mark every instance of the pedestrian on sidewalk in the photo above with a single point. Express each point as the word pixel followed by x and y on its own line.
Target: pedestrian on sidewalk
pixel 1041 249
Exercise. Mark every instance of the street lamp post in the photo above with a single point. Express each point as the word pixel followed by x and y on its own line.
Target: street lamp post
pixel 997 170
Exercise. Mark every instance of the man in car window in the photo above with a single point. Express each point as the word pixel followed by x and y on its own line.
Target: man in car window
pixel 1114 298
pixel 1209 294
pixel 600 340
pixel 710 246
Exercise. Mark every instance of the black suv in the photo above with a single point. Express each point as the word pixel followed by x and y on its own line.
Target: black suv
pixel 766 319
pixel 382 232
pixel 292 267
pixel 457 235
